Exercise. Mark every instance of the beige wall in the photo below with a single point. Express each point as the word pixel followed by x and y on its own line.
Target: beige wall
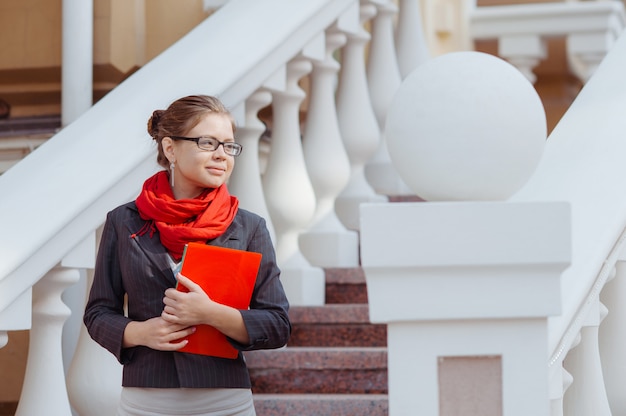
pixel 12 366
pixel 127 34
pixel 168 22
pixel 30 33
pixel 30 30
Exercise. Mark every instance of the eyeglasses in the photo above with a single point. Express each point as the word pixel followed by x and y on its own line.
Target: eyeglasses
pixel 211 144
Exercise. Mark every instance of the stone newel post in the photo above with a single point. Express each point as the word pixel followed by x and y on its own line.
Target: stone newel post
pixel 466 288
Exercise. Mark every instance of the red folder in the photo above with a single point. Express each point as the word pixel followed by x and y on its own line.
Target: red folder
pixel 227 275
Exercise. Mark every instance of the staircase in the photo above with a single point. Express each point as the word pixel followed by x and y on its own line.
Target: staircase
pixel 21 135
pixel 335 362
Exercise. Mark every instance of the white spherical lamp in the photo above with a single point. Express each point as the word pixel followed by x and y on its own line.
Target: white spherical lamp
pixel 465 126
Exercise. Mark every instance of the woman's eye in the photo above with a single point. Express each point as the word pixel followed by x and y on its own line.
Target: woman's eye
pixel 207 143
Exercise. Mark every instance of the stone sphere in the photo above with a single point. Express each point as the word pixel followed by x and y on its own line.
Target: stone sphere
pixel 465 126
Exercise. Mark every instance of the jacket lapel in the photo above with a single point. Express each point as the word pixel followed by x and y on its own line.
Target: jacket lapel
pixel 151 247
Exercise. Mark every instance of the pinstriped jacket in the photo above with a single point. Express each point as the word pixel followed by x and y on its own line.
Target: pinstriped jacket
pixel 139 268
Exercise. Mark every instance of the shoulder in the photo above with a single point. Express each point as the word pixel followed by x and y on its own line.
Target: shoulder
pixel 124 209
pixel 246 215
pixel 247 223
pixel 123 212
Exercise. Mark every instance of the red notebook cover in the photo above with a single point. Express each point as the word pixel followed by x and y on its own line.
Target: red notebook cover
pixel 228 276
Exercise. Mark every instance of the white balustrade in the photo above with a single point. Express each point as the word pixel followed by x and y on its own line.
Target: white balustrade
pixel 587 395
pixel 94 379
pixel 245 181
pixel 429 288
pixel 524 52
pixel 357 124
pixel 44 391
pixel 94 376
pixel 411 46
pixel 288 191
pixel 590 28
pixel 612 334
pixel 383 79
pixel 559 382
pixel 427 264
pixel 327 243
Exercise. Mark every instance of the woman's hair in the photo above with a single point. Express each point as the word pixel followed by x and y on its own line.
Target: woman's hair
pixel 182 116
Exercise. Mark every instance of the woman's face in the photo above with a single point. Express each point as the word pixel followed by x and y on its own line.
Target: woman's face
pixel 196 169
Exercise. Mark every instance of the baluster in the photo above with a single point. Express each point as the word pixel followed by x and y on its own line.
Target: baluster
pixel 327 243
pixel 523 52
pixel 357 124
pixel 411 45
pixel 245 181
pixel 585 51
pixel 288 191
pixel 383 76
pixel 613 339
pixel 94 380
pixel 560 380
pixel 587 396
pixel 94 377
pixel 44 391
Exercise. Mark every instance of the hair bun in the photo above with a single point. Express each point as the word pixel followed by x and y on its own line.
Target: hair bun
pixel 153 123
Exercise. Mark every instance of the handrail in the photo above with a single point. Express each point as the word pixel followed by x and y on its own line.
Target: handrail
pixel 107 160
pixel 547 19
pixel 43 218
pixel 581 163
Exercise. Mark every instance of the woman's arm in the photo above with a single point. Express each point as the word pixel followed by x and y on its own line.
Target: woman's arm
pixel 195 307
pixel 264 325
pixel 156 333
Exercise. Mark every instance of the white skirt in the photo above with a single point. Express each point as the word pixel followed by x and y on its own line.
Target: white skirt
pixel 139 401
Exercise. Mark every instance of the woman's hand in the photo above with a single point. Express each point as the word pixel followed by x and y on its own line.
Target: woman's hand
pixel 187 308
pixel 196 307
pixel 157 333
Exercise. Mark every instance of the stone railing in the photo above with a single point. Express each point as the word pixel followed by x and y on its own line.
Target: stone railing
pixel 589 27
pixel 63 190
pixel 503 305
pixel 309 184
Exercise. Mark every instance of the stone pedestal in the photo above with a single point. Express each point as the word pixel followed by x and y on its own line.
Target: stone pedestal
pixel 466 290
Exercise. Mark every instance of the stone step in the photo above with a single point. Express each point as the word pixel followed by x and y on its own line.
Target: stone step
pixel 321 404
pixel 313 370
pixel 345 285
pixel 28 126
pixel 335 325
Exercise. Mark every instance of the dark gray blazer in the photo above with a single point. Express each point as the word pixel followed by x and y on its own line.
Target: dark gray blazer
pixel 139 268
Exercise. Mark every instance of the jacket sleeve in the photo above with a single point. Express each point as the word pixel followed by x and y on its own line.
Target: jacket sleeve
pixel 267 320
pixel 104 312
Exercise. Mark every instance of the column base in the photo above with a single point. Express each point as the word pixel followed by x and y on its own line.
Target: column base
pixel 330 248
pixel 304 286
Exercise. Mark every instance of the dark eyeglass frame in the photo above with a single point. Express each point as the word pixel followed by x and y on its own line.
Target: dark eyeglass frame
pixel 230 148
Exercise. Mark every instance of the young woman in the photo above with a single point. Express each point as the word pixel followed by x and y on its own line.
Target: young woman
pixel 141 247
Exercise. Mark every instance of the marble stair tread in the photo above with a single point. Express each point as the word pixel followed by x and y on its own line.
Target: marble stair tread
pixel 318 358
pixel 321 404
pixel 345 285
pixel 345 370
pixel 339 325
pixel 24 126
pixel 330 314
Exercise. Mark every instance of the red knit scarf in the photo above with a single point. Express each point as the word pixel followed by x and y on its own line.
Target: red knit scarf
pixel 181 221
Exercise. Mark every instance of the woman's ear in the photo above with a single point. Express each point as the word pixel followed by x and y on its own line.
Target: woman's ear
pixel 168 148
